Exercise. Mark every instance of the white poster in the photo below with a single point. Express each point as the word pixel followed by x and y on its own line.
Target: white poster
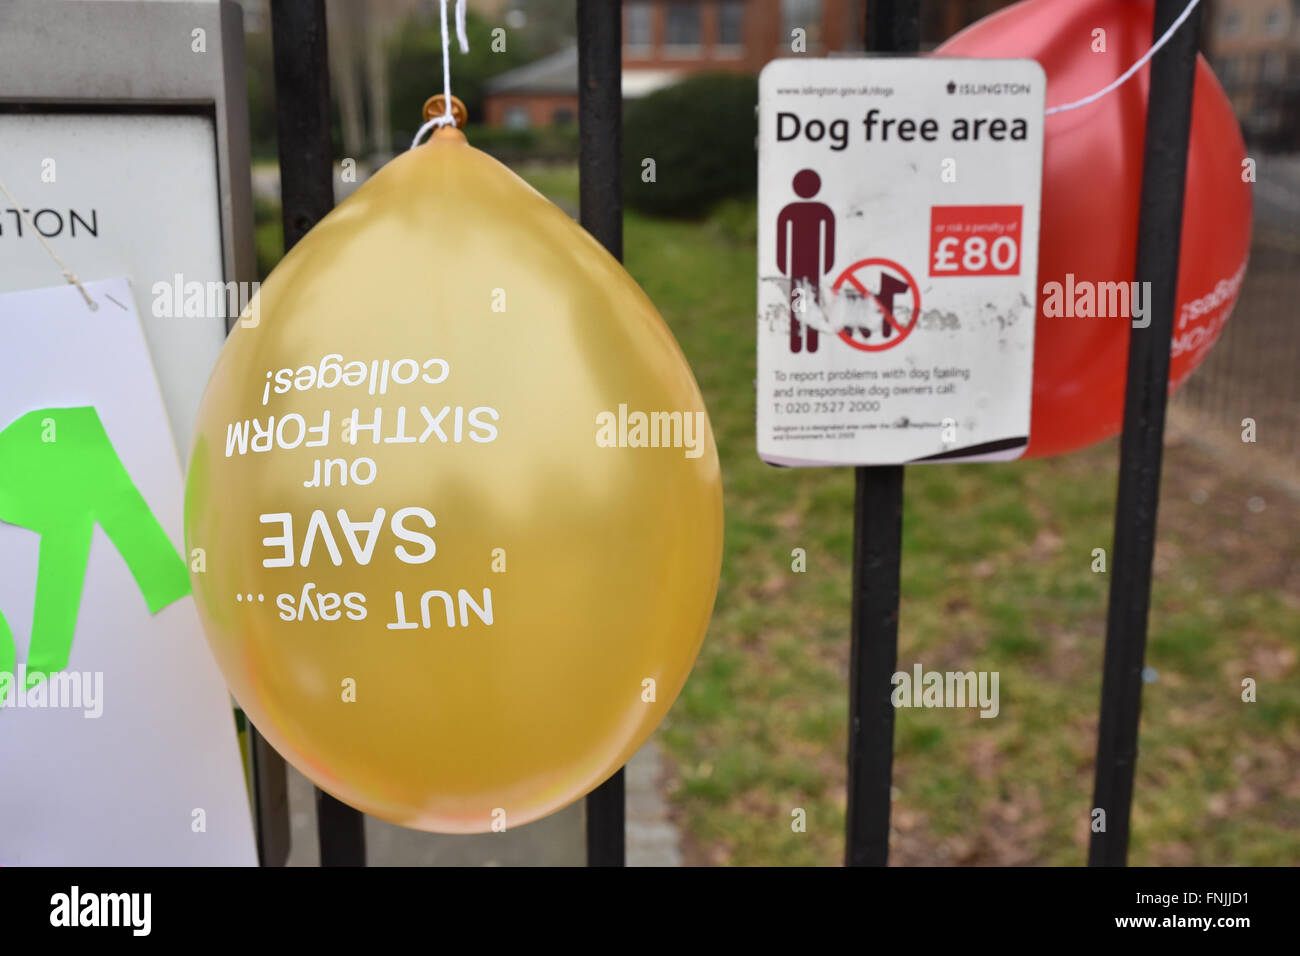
pixel 898 258
pixel 117 737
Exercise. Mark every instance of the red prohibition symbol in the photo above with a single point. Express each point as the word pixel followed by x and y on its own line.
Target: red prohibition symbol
pixel 891 286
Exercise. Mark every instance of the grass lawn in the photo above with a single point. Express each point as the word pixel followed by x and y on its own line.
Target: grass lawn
pixel 996 576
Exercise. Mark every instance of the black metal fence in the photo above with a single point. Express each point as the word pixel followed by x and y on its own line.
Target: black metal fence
pixel 1251 373
pixel 892 27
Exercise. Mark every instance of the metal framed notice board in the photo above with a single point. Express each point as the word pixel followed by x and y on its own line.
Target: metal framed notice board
pixel 124 138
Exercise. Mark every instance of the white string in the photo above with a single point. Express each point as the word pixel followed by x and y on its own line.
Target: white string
pixel 463 39
pixel 67 273
pixel 1128 74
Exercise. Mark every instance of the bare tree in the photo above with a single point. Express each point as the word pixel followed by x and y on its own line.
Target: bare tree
pixel 346 19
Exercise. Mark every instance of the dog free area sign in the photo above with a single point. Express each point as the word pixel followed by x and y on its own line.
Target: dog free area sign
pixel 898 258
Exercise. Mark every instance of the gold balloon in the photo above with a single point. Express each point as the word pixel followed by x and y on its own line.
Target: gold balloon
pixel 472 614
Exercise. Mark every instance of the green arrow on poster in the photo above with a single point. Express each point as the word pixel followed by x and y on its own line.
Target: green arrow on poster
pixel 59 477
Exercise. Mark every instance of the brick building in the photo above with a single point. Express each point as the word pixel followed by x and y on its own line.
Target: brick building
pixel 666 40
pixel 541 93
pixel 1254 46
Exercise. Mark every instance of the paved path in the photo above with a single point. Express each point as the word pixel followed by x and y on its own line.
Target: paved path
pixel 557 840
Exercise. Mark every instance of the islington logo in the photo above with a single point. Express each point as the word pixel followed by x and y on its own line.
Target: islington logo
pixel 988 89
pixel 53 222
pixel 626 429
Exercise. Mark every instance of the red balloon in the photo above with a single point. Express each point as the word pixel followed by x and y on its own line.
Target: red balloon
pixel 1092 181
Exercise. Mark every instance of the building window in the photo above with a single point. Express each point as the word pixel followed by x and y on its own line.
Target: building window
pixel 638 27
pixel 562 117
pixel 1228 70
pixel 731 26
pixel 683 34
pixel 517 117
pixel 1274 25
pixel 1274 70
pixel 803 15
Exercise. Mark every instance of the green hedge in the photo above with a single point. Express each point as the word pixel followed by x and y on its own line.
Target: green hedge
pixel 553 143
pixel 700 134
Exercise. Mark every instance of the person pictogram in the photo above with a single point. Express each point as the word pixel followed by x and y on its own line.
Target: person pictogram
pixel 804 252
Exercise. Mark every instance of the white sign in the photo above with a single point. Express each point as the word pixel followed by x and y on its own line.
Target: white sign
pixel 117 740
pixel 131 194
pixel 898 258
